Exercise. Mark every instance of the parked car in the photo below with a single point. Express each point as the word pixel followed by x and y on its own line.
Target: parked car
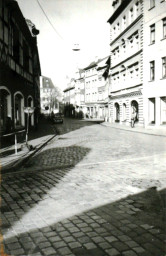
pixel 57 118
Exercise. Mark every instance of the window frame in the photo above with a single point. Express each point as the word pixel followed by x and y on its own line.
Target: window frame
pixel 164 67
pixel 151 4
pixel 164 28
pixel 152 33
pixel 152 70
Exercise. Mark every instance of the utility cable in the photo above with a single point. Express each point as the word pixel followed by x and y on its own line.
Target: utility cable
pixel 49 20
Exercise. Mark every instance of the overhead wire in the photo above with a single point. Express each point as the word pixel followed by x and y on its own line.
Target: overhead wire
pixel 49 20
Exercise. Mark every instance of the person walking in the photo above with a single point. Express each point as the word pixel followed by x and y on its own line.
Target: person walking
pixel 133 116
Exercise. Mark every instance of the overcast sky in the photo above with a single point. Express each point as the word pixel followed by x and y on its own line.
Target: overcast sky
pixel 74 21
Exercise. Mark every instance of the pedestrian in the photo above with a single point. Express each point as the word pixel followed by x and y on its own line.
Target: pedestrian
pixel 133 116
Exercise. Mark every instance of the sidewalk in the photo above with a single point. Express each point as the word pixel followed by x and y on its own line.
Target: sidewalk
pixel 10 160
pixel 151 130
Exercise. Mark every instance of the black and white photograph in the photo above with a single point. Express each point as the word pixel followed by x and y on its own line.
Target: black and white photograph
pixel 82 127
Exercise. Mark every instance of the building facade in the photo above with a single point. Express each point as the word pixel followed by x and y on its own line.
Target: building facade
pixel 80 107
pixel 69 99
pixel 126 43
pixel 49 101
pixel 96 89
pixel 20 68
pixel 154 62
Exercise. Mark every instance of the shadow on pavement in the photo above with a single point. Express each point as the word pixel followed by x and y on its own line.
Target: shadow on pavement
pixel 22 191
pixel 134 226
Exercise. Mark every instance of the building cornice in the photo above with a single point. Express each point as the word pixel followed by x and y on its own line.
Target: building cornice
pixel 132 56
pixel 124 94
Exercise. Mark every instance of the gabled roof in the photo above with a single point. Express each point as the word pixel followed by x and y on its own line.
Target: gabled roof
pixel 68 88
pixel 94 63
pixel 47 83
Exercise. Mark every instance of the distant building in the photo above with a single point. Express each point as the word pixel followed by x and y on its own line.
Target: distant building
pixel 48 96
pixel 80 107
pixel 126 43
pixel 96 89
pixel 154 62
pixel 69 99
pixel 19 69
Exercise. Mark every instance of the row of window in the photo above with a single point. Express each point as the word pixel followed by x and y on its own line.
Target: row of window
pixel 14 39
pixel 131 43
pixel 126 74
pixel 91 84
pixel 89 72
pixel 153 31
pixel 133 13
pixel 152 69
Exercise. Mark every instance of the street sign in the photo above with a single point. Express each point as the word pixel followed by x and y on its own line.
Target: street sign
pixel 29 110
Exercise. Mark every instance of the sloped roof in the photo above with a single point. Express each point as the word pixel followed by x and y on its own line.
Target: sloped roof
pixel 47 83
pixel 95 63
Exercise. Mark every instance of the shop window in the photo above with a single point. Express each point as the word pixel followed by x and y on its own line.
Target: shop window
pixel 151 112
pixel 152 34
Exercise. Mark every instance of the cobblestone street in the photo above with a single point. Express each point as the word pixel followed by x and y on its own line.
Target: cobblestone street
pixel 92 191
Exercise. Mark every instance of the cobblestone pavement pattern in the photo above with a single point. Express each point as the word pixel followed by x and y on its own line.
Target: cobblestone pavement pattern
pixel 93 191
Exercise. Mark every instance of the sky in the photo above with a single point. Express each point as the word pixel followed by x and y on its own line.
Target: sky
pixel 82 22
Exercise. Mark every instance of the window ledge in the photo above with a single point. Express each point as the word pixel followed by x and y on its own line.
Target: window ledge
pixel 151 44
pixel 151 81
pixel 163 78
pixel 163 39
pixel 151 8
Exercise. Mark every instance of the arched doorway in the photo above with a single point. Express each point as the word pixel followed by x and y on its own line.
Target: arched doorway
pixel 5 110
pixel 30 104
pixel 117 112
pixel 135 105
pixel 18 110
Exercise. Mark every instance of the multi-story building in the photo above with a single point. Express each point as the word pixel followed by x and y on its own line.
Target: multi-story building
pixel 48 96
pixel 80 93
pixel 69 99
pixel 95 88
pixel 19 68
pixel 154 62
pixel 126 42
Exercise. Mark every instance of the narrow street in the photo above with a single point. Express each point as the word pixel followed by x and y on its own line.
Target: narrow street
pixel 92 191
